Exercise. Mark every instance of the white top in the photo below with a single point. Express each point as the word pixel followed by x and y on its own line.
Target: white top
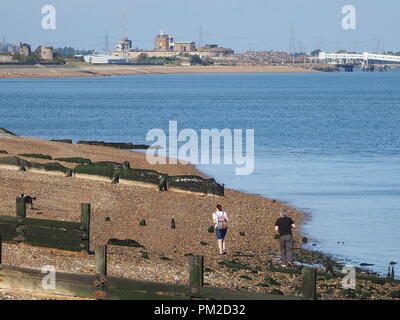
pixel 218 215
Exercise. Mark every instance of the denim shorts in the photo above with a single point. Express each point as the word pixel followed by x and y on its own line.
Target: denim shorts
pixel 220 233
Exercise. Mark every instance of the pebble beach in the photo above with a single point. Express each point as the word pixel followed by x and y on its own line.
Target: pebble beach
pixel 118 209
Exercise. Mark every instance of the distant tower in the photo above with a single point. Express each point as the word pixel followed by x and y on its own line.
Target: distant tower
pixel 106 43
pixel 292 43
pixel 201 38
pixel 162 42
pixel 124 25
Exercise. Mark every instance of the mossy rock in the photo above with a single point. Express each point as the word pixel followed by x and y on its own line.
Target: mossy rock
pixel 377 280
pixel 236 266
pixel 395 294
pixel 145 255
pixel 124 243
pixel 278 292
pixel 263 285
pixel 188 254
pixel 75 160
pixel 271 281
pixel 103 170
pixel 242 234
pixel 349 293
pixel 211 229
pixel 204 243
pixel 3 152
pixel 36 155
pixel 165 259
pixel 142 223
pixel 208 270
pixel 328 291
pixel 245 277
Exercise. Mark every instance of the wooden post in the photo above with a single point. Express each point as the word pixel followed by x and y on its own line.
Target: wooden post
pixel 101 260
pixel 85 216
pixel 309 283
pixel 21 207
pixel 196 271
pixel 85 223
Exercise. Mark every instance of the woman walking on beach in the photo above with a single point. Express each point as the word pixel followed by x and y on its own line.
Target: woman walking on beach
pixel 220 218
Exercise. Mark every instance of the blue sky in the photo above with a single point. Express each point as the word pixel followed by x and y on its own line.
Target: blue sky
pixel 239 24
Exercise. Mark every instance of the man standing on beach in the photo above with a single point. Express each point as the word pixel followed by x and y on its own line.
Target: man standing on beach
pixel 284 226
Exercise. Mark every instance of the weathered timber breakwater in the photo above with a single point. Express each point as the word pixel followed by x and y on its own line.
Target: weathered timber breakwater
pixel 114 172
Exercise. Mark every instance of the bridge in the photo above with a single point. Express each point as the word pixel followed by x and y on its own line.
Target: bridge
pixel 367 60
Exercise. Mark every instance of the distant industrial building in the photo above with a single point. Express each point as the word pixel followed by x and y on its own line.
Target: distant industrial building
pixel 165 46
pixel 103 59
pixel 216 50
pixel 4 58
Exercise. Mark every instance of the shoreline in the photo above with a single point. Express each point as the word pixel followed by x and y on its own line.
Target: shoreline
pixel 65 71
pixel 59 198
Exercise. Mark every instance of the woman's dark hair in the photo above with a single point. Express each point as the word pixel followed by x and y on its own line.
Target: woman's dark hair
pixel 219 207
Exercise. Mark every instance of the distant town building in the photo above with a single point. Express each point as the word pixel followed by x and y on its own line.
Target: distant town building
pixel 24 49
pixel 103 59
pixel 45 53
pixel 184 46
pixel 162 42
pixel 6 58
pixel 218 51
pixel 165 46
pixel 124 45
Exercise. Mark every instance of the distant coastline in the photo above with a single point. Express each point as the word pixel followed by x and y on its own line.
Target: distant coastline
pixel 65 71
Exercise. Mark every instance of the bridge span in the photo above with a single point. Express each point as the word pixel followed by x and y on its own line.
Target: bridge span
pixel 367 60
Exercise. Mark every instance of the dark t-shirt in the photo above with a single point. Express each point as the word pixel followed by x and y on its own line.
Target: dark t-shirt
pixel 285 226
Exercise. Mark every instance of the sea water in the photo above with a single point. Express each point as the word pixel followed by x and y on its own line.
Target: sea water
pixel 325 143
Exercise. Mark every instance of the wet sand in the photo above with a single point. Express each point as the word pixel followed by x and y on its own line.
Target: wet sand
pixel 9 72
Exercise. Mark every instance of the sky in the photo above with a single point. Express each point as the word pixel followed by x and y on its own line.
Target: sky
pixel 239 24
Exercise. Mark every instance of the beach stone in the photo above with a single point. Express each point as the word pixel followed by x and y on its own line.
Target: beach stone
pixel 124 243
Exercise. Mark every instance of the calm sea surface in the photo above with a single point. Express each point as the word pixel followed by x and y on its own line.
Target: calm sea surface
pixel 326 143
